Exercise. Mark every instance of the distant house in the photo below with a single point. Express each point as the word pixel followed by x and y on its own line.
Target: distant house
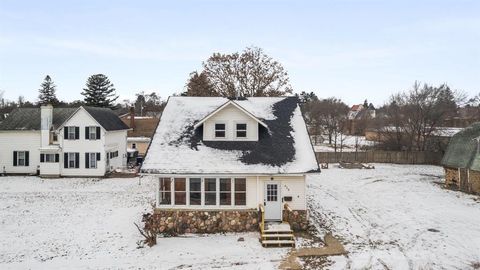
pixel 358 117
pixel 84 141
pixel 141 131
pixel 462 160
pixel 218 160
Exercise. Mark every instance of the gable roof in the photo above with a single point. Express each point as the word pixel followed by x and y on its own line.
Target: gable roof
pixel 30 118
pixel 177 147
pixel 219 109
pixel 463 149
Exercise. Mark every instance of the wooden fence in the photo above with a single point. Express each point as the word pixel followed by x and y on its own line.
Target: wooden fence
pixel 399 157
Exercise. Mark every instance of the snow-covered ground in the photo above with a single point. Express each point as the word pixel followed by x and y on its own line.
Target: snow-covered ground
pixel 392 217
pixel 349 143
pixel 396 217
pixel 88 224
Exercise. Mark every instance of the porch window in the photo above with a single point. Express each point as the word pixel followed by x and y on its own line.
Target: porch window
pixel 219 130
pixel 180 191
pixel 165 191
pixel 240 191
pixel 49 158
pixel 210 191
pixel 195 191
pixel 241 130
pixel 225 191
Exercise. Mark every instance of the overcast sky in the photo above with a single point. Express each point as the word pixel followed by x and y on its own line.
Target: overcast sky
pixel 349 49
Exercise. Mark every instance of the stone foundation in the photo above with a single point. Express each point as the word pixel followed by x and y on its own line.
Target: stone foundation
pixel 298 219
pixel 451 178
pixel 179 221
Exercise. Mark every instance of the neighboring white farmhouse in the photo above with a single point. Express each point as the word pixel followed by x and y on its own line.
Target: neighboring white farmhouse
pixel 84 141
pixel 229 157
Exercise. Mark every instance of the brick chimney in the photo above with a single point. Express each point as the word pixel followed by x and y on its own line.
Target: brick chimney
pixel 132 117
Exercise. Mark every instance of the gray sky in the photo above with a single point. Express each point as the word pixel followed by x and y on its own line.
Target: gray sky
pixel 349 49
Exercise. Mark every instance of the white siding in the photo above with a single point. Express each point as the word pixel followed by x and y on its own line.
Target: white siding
pixel 117 141
pixel 230 116
pixel 293 186
pixel 19 141
pixel 82 119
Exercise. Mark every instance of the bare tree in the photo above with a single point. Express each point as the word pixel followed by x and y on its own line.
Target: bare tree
pixel 251 73
pixel 330 113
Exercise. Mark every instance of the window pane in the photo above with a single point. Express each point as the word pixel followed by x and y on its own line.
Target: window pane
pixel 195 198
pixel 241 134
pixel 210 184
pixel 225 184
pixel 220 134
pixel 180 198
pixel 180 184
pixel 240 198
pixel 241 126
pixel 225 198
pixel 240 184
pixel 165 194
pixel 195 184
pixel 219 126
pixel 210 198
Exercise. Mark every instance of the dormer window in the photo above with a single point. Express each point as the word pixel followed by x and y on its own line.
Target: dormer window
pixel 241 130
pixel 219 130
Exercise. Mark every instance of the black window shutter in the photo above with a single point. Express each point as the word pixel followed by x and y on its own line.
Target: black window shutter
pixel 77 160
pixel 98 133
pixel 65 160
pixel 98 156
pixel 57 157
pixel 15 158
pixel 87 161
pixel 65 133
pixel 86 133
pixel 42 157
pixel 77 133
pixel 27 159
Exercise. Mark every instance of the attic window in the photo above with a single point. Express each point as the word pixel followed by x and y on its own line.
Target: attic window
pixel 219 130
pixel 241 130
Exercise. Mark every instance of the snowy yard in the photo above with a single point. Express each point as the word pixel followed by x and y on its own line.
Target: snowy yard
pixel 396 217
pixel 88 224
pixel 393 217
pixel 350 143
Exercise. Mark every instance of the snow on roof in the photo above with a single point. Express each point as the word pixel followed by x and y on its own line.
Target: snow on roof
pixel 284 148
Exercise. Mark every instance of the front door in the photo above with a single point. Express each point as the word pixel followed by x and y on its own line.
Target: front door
pixel 273 202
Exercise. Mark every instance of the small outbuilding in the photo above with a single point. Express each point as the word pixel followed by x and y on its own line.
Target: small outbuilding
pixel 462 160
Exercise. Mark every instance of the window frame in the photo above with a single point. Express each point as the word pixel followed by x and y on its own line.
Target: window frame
pixel 70 129
pixel 191 180
pixel 92 160
pixel 46 158
pixel 90 128
pixel 24 159
pixel 224 130
pixel 70 160
pixel 241 130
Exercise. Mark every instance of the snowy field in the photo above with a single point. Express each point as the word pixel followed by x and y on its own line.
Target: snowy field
pixel 88 224
pixel 396 217
pixel 393 217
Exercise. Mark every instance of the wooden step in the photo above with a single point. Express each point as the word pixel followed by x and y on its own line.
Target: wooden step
pixel 280 235
pixel 278 243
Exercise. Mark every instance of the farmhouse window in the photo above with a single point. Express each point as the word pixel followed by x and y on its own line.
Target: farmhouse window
pixel 195 191
pixel 71 133
pixel 225 191
pixel 210 191
pixel 241 130
pixel 91 160
pixel 219 130
pixel 180 185
pixel 92 133
pixel 71 160
pixel 21 158
pixel 49 158
pixel 165 191
pixel 240 191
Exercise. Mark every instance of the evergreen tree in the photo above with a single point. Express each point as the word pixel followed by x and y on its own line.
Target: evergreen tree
pixel 99 92
pixel 47 92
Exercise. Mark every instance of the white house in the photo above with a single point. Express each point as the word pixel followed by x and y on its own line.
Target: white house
pixel 84 141
pixel 229 158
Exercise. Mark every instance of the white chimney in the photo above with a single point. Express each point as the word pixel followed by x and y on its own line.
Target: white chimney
pixel 46 115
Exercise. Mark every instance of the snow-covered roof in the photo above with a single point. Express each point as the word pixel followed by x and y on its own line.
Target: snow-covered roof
pixel 283 148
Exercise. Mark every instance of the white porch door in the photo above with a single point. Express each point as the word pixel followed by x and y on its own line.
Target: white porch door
pixel 273 202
